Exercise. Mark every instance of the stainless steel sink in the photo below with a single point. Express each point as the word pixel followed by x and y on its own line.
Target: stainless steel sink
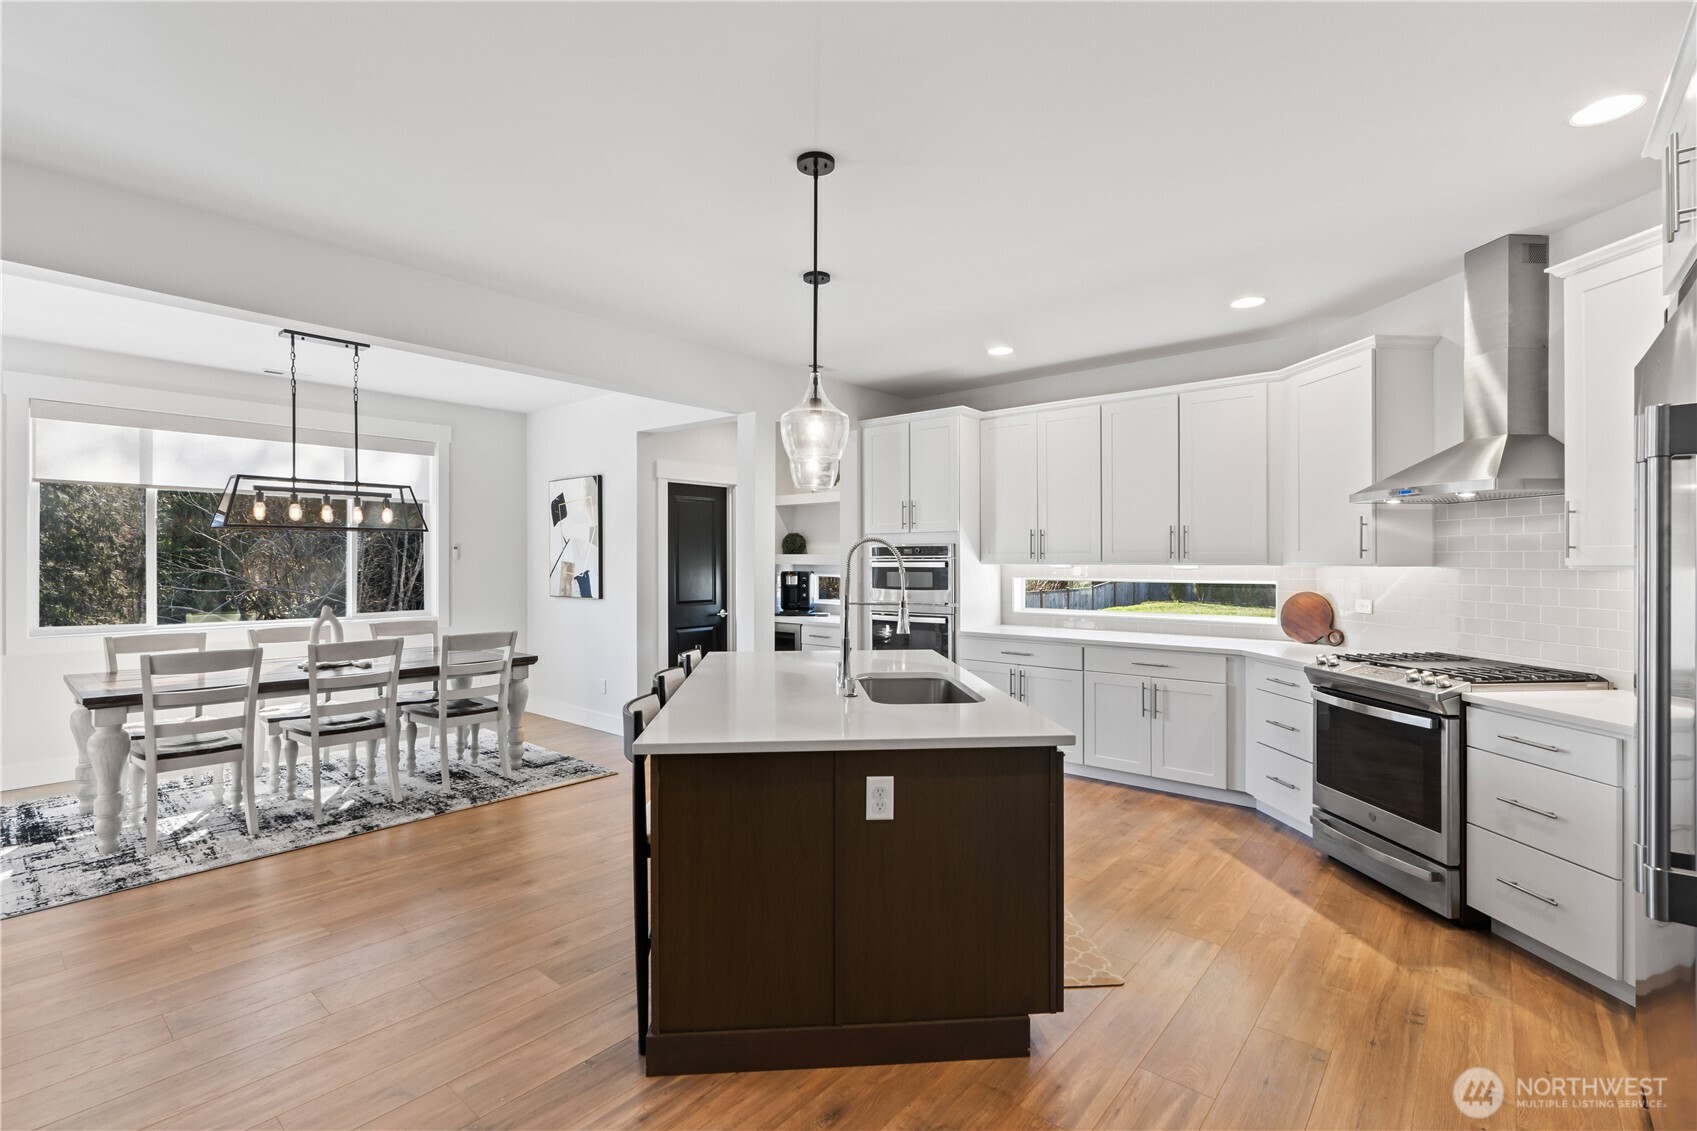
pixel 906 688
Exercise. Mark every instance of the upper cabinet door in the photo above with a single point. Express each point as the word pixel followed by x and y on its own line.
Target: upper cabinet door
pixel 1140 481
pixel 1331 454
pixel 1675 129
pixel 933 497
pixel 884 477
pixel 1069 485
pixel 1188 732
pixel 1223 475
pixel 1611 312
pixel 1009 482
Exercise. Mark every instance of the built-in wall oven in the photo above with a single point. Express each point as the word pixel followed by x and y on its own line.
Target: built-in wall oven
pixel 926 629
pixel 930 576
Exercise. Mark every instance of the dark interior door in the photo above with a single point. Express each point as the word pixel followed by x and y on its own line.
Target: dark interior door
pixel 697 600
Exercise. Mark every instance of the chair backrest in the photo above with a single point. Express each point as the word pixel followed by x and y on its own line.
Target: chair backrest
pixel 667 682
pixel 145 643
pixel 481 661
pixel 407 629
pixel 690 659
pixel 637 715
pixel 369 666
pixel 180 679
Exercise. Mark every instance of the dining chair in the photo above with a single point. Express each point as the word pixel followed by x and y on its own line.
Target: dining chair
pixel 368 667
pixel 637 715
pixel 423 630
pixel 200 739
pixel 139 644
pixel 667 682
pixel 326 629
pixel 690 660
pixel 473 687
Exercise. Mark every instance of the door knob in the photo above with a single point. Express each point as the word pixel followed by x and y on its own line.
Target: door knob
pixel 723 613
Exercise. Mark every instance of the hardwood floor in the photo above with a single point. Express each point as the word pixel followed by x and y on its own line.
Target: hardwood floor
pixel 474 970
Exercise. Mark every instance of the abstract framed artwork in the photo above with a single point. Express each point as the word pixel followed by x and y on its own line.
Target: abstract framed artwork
pixel 574 541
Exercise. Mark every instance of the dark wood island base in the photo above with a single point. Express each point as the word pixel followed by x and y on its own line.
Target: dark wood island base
pixel 789 931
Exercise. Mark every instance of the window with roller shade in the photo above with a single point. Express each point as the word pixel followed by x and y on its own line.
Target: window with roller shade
pixel 124 502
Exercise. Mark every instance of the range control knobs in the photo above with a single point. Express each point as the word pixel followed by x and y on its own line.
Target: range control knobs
pixel 1445 681
pixel 1412 677
pixel 1428 678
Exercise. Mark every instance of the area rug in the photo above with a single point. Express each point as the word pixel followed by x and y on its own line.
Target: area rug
pixel 1085 965
pixel 47 852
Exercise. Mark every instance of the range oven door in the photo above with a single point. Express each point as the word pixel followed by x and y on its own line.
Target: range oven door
pixel 1391 770
pixel 926 630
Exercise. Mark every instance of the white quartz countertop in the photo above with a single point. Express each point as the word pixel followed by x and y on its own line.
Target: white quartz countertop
pixel 829 620
pixel 1615 712
pixel 1278 651
pixel 787 701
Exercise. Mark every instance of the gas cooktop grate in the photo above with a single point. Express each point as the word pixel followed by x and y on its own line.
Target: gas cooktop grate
pixel 1468 669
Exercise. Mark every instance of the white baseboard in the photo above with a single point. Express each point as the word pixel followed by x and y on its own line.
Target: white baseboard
pixel 1161 785
pixel 571 713
pixel 25 773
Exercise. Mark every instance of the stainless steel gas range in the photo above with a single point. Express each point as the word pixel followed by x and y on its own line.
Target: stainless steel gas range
pixel 1389 762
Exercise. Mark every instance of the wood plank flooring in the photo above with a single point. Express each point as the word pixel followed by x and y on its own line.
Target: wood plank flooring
pixel 474 970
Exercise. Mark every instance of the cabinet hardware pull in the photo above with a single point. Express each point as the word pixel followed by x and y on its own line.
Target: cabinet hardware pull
pixel 1527 891
pixel 904 514
pixel 1147 664
pixel 1184 542
pixel 1031 547
pixel 1011 695
pixel 1280 682
pixel 1143 700
pixel 1022 685
pixel 1280 781
pixel 1172 542
pixel 1529 742
pixel 1154 700
pixel 1281 726
pixel 1042 543
pixel 1361 538
pixel 1572 513
pixel 912 514
pixel 1005 652
pixel 1530 808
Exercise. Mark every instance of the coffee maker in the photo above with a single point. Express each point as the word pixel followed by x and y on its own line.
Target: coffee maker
pixel 795 591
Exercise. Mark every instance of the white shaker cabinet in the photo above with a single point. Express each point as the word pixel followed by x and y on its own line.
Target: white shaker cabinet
pixel 1140 480
pixel 1188 731
pixel 884 477
pixel 1612 308
pixel 1055 693
pixel 933 460
pixel 1673 143
pixel 1116 722
pixel 1357 414
pixel 911 473
pixel 1041 478
pixel 1223 475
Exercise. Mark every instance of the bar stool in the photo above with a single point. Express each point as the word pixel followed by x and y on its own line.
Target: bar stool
pixel 667 682
pixel 637 714
pixel 690 660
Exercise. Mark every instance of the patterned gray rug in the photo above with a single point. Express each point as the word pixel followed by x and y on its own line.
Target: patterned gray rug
pixel 47 854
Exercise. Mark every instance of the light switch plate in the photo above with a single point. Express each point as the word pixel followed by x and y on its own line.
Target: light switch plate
pixel 880 798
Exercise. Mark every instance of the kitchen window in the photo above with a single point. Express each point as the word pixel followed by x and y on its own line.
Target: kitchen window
pixel 123 507
pixel 1116 597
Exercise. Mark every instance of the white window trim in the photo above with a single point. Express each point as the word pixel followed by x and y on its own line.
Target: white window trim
pixel 19 492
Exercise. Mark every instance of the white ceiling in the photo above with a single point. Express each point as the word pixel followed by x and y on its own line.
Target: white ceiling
pixel 1081 181
pixel 45 311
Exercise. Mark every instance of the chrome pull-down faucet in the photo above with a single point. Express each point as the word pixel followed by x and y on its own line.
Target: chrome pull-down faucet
pixel 845 675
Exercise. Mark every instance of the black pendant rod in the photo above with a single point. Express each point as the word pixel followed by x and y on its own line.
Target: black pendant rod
pixel 294 469
pixel 815 280
pixel 356 423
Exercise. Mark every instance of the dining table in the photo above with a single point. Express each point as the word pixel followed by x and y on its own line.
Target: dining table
pixel 105 701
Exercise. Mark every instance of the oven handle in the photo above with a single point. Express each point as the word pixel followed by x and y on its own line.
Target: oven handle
pixel 1384 858
pixel 1424 722
pixel 913 618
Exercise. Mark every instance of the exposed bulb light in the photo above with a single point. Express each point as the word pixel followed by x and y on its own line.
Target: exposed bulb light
pixel 1247 302
pixel 259 506
pixel 326 513
pixel 358 511
pixel 999 351
pixel 295 510
pixel 388 514
pixel 1610 109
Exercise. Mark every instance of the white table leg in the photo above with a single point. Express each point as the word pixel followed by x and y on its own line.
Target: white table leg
pixel 82 727
pixel 108 747
pixel 518 697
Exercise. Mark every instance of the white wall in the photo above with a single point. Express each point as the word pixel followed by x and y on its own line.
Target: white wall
pixel 586 645
pixel 482 514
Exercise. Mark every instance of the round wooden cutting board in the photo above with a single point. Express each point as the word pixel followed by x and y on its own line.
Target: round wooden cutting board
pixel 1307 618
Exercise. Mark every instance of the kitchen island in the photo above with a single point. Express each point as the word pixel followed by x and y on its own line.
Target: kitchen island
pixel 806 916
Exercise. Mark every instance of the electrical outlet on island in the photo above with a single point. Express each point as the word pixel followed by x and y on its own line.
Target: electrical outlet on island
pixel 880 798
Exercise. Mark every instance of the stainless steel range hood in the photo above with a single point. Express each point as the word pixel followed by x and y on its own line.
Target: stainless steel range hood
pixel 1508 452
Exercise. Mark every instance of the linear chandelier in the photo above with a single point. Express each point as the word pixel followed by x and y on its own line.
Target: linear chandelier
pixel 253 502
pixel 815 432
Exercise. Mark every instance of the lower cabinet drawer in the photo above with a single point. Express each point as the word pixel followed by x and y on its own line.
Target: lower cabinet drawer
pixel 1280 680
pixel 1571 817
pixel 1594 756
pixel 1156 663
pixel 1280 781
pixel 1019 650
pixel 828 637
pixel 1570 909
pixel 1284 724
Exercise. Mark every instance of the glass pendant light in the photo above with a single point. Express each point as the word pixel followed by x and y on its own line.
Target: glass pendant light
pixel 815 432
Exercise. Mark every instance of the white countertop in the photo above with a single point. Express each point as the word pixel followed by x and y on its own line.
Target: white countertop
pixel 1614 712
pixel 788 701
pixel 1278 651
pixel 830 620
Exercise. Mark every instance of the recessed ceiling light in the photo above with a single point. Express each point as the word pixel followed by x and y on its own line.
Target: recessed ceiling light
pixel 1247 301
pixel 999 351
pixel 1612 108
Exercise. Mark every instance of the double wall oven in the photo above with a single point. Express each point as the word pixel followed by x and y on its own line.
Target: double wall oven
pixel 1389 763
pixel 930 598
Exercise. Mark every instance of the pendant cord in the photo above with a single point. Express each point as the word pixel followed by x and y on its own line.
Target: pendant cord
pixel 356 422
pixel 294 467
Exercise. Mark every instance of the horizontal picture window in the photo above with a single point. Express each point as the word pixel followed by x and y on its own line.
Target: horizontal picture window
pixel 1149 598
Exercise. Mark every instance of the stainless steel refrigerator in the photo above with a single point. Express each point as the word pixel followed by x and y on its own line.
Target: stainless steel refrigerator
pixel 1666 875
